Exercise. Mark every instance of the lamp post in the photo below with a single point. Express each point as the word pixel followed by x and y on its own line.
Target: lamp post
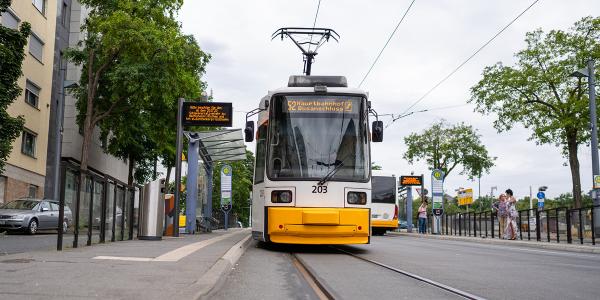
pixel 58 133
pixel 589 73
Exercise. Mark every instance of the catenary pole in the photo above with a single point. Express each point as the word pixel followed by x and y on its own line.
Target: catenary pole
pixel 179 149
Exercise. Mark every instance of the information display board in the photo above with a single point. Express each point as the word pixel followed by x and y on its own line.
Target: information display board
pixel 226 197
pixel 437 189
pixel 207 114
pixel 411 180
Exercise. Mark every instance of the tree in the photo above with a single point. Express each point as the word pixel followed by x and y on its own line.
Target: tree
pixel 375 166
pixel 127 58
pixel 538 92
pixel 12 43
pixel 445 147
pixel 141 135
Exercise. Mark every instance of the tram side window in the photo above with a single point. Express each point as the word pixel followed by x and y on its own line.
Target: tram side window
pixel 261 153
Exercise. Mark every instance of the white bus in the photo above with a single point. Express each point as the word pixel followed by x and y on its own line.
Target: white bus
pixel 384 209
pixel 312 179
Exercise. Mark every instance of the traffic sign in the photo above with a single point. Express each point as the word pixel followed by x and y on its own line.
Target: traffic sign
pixel 596 181
pixel 438 211
pixel 541 195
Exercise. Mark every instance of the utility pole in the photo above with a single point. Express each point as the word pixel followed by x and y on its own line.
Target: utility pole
pixel 594 145
pixel 530 198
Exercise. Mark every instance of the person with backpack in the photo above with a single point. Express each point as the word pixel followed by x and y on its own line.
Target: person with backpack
pixel 501 208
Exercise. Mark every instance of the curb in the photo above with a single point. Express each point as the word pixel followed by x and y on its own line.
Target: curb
pixel 532 244
pixel 215 277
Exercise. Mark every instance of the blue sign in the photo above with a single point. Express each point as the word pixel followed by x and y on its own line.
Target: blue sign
pixel 541 195
pixel 541 205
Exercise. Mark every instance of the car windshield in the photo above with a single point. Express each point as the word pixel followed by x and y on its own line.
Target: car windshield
pixel 313 135
pixel 21 204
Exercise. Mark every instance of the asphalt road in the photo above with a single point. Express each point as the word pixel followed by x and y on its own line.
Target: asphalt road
pixel 488 271
pixel 13 242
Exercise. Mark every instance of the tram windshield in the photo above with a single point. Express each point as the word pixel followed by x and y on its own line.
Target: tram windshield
pixel 383 189
pixel 316 137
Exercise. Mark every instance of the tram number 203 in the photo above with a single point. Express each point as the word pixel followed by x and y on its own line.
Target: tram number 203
pixel 319 189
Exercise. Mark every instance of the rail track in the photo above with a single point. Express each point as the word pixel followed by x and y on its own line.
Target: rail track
pixel 323 291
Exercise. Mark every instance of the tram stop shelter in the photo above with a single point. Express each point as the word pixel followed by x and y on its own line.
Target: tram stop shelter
pixel 211 147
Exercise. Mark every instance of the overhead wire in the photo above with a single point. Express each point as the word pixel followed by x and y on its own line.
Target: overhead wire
pixel 470 57
pixel 396 117
pixel 386 43
pixel 314 24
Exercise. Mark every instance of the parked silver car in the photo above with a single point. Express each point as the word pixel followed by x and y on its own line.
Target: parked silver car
pixel 31 215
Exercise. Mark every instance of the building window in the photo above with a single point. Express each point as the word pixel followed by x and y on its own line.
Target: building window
pixel 40 5
pixel 36 47
pixel 33 193
pixel 32 94
pixel 10 20
pixel 28 143
pixel 64 14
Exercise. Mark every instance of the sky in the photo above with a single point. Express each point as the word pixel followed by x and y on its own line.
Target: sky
pixel 434 38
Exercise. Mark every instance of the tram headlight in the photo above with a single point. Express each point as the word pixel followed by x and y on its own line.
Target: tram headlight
pixel 357 198
pixel 281 196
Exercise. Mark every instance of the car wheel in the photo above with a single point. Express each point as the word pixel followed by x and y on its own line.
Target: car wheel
pixel 33 227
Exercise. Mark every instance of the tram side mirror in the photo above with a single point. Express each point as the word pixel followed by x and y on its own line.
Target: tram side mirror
pixel 377 129
pixel 249 131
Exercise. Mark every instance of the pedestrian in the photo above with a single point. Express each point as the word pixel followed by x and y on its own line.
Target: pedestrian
pixel 501 208
pixel 512 214
pixel 423 217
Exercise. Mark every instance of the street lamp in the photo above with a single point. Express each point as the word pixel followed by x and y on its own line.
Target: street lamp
pixel 589 73
pixel 58 133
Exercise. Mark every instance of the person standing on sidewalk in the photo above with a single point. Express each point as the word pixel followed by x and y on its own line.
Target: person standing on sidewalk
pixel 423 217
pixel 512 214
pixel 502 212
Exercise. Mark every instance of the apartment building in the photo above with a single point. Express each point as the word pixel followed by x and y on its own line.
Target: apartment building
pixel 99 161
pixel 26 166
pixel 29 170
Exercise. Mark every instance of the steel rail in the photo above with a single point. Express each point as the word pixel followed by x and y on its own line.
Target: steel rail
pixel 414 276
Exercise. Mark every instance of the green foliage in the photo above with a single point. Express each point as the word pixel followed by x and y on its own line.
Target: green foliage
pixel 136 63
pixel 12 43
pixel 445 147
pixel 539 93
pixel 375 166
pixel 241 182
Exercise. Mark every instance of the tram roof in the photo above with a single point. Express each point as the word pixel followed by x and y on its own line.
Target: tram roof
pixel 330 90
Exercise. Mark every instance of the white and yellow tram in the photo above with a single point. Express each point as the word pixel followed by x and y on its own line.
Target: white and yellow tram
pixel 384 209
pixel 312 177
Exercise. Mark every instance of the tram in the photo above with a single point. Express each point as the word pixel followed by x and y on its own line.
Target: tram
pixel 312 176
pixel 384 209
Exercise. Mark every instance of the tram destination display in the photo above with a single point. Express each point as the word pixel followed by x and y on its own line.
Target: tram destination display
pixel 321 105
pixel 207 114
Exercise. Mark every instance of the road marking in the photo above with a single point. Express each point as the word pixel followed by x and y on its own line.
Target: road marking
pixel 174 255
pixel 126 258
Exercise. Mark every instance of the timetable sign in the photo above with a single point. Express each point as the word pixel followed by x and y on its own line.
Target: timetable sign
pixel 207 114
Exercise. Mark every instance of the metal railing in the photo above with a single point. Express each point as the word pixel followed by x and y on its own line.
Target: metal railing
pixel 101 207
pixel 561 224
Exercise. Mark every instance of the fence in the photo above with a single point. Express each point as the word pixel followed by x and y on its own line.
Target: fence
pixel 101 208
pixel 562 224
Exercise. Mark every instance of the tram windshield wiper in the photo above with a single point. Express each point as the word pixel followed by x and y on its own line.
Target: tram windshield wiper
pixel 328 176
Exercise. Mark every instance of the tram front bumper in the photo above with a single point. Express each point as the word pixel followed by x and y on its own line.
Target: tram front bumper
pixel 391 224
pixel 292 225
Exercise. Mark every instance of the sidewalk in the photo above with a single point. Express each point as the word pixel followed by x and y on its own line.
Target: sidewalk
pixel 187 267
pixel 532 244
